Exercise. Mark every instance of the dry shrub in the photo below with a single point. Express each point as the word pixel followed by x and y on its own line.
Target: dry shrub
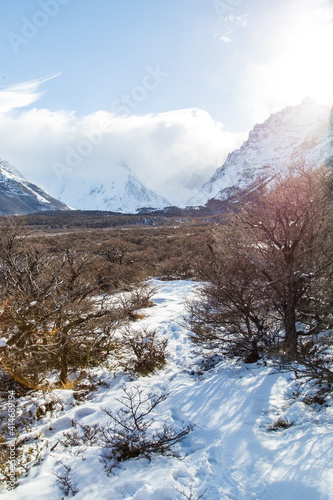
pixel 145 351
pixel 280 424
pixel 128 433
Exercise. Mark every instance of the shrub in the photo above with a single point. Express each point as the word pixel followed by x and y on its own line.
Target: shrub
pixel 145 350
pixel 129 434
pixel 65 482
pixel 280 424
pixel 137 298
pixel 26 457
pixel 314 366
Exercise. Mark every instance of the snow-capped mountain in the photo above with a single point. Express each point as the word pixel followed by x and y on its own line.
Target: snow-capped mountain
pixel 300 133
pixel 18 196
pixel 123 192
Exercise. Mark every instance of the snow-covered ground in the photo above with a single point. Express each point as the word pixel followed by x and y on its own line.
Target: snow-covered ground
pixel 231 452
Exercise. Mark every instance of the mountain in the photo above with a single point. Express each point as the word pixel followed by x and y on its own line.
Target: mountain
pixel 18 196
pixel 123 192
pixel 300 133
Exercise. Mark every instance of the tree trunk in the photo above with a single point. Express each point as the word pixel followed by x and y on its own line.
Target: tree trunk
pixel 64 360
pixel 290 324
pixel 253 355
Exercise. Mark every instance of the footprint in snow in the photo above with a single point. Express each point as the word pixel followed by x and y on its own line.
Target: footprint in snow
pixel 60 424
pixel 84 412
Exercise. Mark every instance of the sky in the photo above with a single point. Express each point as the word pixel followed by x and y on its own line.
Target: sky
pixel 168 86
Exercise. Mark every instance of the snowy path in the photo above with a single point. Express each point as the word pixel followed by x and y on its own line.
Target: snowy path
pixel 230 454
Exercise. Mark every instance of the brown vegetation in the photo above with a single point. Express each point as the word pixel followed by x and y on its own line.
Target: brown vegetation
pixel 56 291
pixel 269 268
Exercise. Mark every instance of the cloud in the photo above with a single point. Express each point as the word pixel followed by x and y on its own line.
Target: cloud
pixel 173 153
pixel 22 94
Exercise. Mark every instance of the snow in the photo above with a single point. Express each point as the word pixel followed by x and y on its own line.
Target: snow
pixel 9 171
pixel 15 187
pixel 40 198
pixel 230 454
pixel 123 192
pixel 296 134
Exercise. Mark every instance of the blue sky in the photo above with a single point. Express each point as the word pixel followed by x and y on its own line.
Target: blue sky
pixel 102 48
pixel 197 73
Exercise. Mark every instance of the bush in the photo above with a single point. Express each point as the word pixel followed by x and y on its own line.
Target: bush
pixel 137 298
pixel 314 365
pixel 51 317
pixel 145 349
pixel 280 424
pixel 128 433
pixel 127 436
pixel 65 482
pixel 20 454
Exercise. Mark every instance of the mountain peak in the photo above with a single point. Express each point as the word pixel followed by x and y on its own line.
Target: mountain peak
pixel 18 196
pixel 124 165
pixel 6 169
pixel 120 191
pixel 299 133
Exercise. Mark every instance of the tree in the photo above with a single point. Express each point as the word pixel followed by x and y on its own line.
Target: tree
pixel 230 312
pixel 51 316
pixel 274 255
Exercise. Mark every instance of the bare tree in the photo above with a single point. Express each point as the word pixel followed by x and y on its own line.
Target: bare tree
pixel 285 226
pixel 230 312
pixel 272 258
pixel 129 432
pixel 50 315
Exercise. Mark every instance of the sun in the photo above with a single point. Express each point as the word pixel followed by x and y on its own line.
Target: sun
pixel 299 60
pixel 305 64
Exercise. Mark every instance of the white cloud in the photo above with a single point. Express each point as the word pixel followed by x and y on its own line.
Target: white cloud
pixel 22 94
pixel 173 153
pixel 238 21
pixel 225 38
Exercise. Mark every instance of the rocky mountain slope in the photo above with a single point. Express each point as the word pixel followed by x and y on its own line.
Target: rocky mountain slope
pixel 123 192
pixel 18 196
pixel 300 133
